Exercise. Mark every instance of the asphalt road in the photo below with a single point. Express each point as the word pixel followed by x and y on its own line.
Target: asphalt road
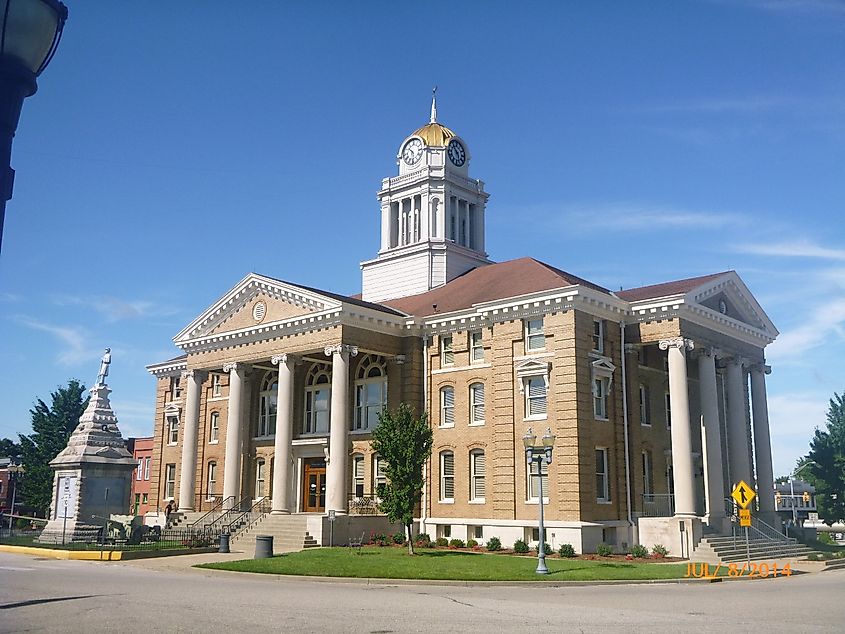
pixel 38 595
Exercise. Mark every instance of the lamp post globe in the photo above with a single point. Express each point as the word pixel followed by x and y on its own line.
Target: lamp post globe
pixel 30 31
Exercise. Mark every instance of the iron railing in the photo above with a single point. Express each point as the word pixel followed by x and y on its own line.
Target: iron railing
pixel 139 538
pixel 212 515
pixel 249 517
pixel 658 505
pixel 363 504
pixel 226 516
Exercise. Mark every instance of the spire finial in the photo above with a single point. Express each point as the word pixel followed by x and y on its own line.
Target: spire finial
pixel 434 105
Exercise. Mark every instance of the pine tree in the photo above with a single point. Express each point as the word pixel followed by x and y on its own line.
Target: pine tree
pixel 404 442
pixel 826 463
pixel 51 427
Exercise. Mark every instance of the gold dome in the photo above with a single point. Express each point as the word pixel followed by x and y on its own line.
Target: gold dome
pixel 434 134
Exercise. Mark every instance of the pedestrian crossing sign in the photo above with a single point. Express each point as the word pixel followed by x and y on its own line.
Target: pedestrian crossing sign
pixel 743 494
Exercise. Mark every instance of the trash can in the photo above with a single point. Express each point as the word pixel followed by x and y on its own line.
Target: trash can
pixel 263 546
pixel 224 543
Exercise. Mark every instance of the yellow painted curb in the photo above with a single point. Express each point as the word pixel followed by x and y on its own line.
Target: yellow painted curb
pixel 55 553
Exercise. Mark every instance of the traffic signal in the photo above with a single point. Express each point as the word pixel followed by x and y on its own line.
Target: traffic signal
pixel 777 497
pixel 806 496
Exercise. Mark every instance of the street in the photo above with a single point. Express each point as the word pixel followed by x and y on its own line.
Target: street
pixel 39 595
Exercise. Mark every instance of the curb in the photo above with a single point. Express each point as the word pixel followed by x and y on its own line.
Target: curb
pixel 82 555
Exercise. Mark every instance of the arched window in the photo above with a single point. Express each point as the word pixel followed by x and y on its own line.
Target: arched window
pixel 267 407
pixel 214 428
pixel 379 478
pixel 447 406
pixel 318 396
pixel 447 476
pixel 370 392
pixel 171 414
pixel 260 478
pixel 211 481
pixel 358 475
pixel 477 474
pixel 476 404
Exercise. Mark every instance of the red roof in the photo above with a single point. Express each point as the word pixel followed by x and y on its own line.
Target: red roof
pixel 489 283
pixel 666 289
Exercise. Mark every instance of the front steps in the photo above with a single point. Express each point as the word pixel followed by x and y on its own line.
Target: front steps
pixel 714 549
pixel 289 532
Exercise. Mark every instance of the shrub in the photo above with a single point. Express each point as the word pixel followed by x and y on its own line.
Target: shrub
pixel 456 543
pixel 520 547
pixel 659 551
pixel 638 551
pixel 398 538
pixel 566 550
pixel 471 543
pixel 494 544
pixel 442 541
pixel 422 540
pixel 379 539
pixel 604 550
pixel 546 548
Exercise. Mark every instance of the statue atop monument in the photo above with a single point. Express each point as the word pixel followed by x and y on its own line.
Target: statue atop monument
pixel 104 367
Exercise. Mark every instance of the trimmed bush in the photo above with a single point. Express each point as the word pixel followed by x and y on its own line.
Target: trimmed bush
pixel 494 544
pixel 566 550
pixel 379 539
pixel 659 551
pixel 456 543
pixel 604 550
pixel 471 543
pixel 546 548
pixel 638 551
pixel 398 538
pixel 520 547
pixel 422 540
pixel 442 541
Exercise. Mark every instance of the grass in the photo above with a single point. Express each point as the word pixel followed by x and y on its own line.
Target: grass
pixel 395 563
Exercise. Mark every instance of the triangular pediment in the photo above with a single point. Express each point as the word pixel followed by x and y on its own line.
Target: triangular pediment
pixel 256 301
pixel 729 297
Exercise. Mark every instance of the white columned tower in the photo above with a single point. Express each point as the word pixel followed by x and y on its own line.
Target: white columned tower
pixel 432 217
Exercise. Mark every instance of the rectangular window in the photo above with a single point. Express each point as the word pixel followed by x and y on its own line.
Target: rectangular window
pixel 379 479
pixel 447 476
pixel 260 477
pixel 598 336
pixel 535 397
pixel 175 387
pixel 317 410
pixel 600 398
pixel 370 400
pixel 215 385
pixel 447 355
pixel 147 468
pixel 535 337
pixel 648 474
pixel 145 497
pixel 478 532
pixel 602 476
pixel 358 476
pixel 645 406
pixel 169 481
pixel 140 474
pixel 447 407
pixel 477 475
pixel 668 410
pixel 476 346
pixel 212 480
pixel 534 482
pixel 476 404
pixel 214 428
pixel 172 430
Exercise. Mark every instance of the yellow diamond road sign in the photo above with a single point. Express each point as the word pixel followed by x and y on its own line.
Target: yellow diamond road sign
pixel 743 494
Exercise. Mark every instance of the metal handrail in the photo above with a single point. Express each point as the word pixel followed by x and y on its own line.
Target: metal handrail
pixel 222 523
pixel 367 504
pixel 255 513
pixel 215 509
pixel 658 505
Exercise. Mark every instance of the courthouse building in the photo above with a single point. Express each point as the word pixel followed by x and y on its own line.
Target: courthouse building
pixel 646 390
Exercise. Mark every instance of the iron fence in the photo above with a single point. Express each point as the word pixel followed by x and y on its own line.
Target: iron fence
pixel 140 538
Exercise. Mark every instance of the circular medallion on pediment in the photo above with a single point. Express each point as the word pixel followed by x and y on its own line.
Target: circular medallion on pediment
pixel 259 309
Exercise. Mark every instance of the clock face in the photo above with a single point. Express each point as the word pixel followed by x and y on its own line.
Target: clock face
pixel 412 152
pixel 457 153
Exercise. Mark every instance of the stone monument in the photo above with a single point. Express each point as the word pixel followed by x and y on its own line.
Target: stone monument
pixel 93 474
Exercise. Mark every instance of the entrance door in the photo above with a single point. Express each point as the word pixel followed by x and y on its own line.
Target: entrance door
pixel 314 494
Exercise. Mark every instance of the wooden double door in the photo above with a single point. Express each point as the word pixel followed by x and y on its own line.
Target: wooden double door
pixel 314 485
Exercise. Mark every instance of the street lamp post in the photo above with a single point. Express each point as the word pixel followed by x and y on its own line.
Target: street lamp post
pixel 792 490
pixel 15 472
pixel 539 454
pixel 30 31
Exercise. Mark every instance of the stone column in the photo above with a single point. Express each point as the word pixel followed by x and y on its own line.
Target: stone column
pixel 234 432
pixel 711 442
pixel 284 435
pixel 762 442
pixel 188 468
pixel 737 427
pixel 683 478
pixel 336 479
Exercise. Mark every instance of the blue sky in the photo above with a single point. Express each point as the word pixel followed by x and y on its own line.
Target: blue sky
pixel 174 147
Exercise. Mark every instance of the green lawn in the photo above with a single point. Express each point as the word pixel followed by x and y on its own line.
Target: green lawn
pixel 395 563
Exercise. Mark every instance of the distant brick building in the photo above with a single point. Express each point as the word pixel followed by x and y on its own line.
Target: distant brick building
pixel 139 496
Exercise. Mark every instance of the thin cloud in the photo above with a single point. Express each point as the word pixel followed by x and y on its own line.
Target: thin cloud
pixel 627 217
pixel 115 309
pixel 75 340
pixel 795 249
pixel 799 6
pixel 825 321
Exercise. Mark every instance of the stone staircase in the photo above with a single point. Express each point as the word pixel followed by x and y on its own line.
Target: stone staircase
pixel 727 548
pixel 290 533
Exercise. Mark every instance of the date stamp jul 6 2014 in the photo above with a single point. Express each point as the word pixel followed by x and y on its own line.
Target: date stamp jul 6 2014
pixel 751 570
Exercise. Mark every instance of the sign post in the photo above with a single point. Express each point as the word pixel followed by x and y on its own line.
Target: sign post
pixel 743 495
pixel 332 516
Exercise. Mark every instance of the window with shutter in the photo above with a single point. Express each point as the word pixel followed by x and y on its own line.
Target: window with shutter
pixel 535 397
pixel 447 476
pixel 476 398
pixel 447 406
pixel 477 475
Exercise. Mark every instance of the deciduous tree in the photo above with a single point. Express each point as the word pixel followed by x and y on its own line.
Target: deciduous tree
pixel 404 442
pixel 825 464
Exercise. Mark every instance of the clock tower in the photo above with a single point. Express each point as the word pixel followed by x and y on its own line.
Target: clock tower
pixel 432 217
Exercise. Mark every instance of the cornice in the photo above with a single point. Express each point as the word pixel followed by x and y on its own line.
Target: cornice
pixel 168 368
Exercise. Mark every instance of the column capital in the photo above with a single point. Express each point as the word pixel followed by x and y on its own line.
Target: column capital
pixel 341 348
pixel 682 343
pixel 760 367
pixel 197 374
pixel 400 359
pixel 285 358
pixel 708 351
pixel 233 366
